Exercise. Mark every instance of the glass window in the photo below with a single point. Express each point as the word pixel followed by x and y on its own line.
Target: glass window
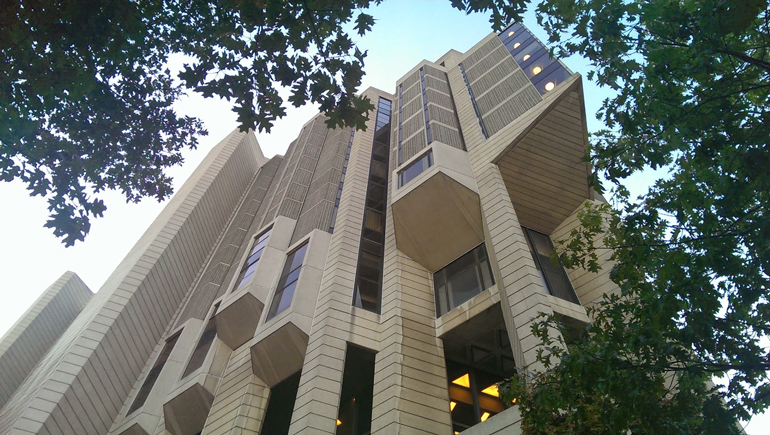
pixel 415 168
pixel 281 406
pixel 251 263
pixel 149 382
pixel 477 359
pixel 284 293
pixel 366 293
pixel 203 346
pixel 462 279
pixel 356 397
pixel 553 276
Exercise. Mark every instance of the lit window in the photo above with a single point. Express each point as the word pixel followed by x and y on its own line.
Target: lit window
pixel 284 293
pixel 462 279
pixel 473 393
pixel 415 168
pixel 553 276
pixel 251 263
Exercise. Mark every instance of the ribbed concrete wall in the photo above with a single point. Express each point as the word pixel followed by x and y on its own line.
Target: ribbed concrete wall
pixel 30 338
pixel 82 383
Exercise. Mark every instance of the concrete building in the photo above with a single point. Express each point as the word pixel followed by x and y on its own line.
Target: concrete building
pixel 379 281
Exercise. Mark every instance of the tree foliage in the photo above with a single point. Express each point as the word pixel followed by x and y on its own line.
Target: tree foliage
pixel 86 94
pixel 692 254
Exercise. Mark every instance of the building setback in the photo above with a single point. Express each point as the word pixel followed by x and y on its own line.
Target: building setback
pixel 379 281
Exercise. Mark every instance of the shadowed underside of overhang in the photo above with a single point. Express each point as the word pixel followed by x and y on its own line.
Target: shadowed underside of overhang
pixel 544 168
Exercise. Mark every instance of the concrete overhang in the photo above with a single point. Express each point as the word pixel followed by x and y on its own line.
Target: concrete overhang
pixel 239 314
pixel 186 413
pixel 437 215
pixel 279 346
pixel 542 162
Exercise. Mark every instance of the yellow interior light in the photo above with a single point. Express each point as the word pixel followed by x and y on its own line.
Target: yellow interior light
pixel 339 423
pixel 463 381
pixel 452 406
pixel 536 70
pixel 457 432
pixel 516 45
pixel 526 57
pixel 549 86
pixel 511 33
pixel 491 390
pixel 484 417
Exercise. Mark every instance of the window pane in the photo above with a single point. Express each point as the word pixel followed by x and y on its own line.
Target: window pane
pixel 464 286
pixel 465 277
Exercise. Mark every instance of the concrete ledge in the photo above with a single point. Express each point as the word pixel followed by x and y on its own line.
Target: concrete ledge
pixel 237 321
pixel 135 429
pixel 186 413
pixel 437 215
pixel 280 354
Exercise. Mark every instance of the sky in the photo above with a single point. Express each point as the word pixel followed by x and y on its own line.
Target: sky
pixel 406 32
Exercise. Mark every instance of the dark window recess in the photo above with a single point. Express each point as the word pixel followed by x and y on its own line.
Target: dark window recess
pixel 554 277
pixel 462 279
pixel 415 168
pixel 474 368
pixel 149 381
pixel 284 293
pixel 355 412
pixel 251 263
pixel 280 406
pixel 203 346
pixel 473 100
pixel 368 287
pixel 342 181
pixel 425 106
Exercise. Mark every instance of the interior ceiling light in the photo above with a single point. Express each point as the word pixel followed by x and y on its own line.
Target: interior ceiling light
pixel 452 406
pixel 511 33
pixel 491 390
pixel 339 423
pixel 526 56
pixel 463 381
pixel 549 86
pixel 516 45
pixel 536 70
pixel 484 417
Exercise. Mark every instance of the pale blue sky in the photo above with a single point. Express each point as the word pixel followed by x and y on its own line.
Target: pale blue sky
pixel 406 32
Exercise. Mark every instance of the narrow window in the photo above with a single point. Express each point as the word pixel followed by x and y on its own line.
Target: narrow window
pixel 204 344
pixel 462 279
pixel 368 287
pixel 473 101
pixel 553 276
pixel 288 282
pixel 149 382
pixel 342 181
pixel 415 168
pixel 356 398
pixel 280 406
pixel 251 263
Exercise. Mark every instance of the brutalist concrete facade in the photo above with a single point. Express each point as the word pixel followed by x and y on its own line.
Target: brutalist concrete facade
pixel 378 281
